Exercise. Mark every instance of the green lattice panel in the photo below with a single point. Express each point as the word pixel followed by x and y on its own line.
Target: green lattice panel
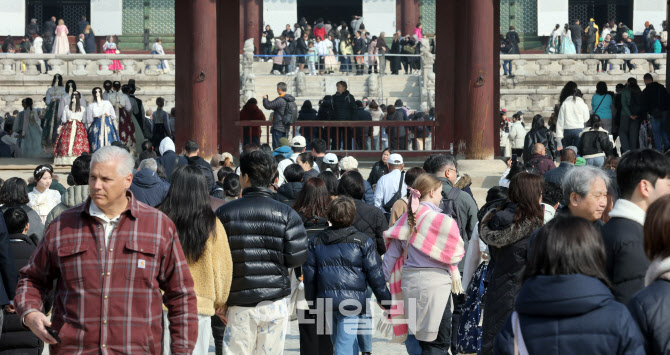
pixel 161 16
pixel 526 16
pixel 133 17
pixel 504 16
pixel 428 17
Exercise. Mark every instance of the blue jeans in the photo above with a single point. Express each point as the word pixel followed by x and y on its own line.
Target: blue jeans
pixel 571 137
pixel 595 162
pixel 412 345
pixel 507 67
pixel 276 136
pixel 365 327
pixel 344 331
pixel 658 127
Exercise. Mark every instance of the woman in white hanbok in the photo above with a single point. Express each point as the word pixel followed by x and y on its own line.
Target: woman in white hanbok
pixel 101 122
pixel 42 199
pixel 73 139
pixel 70 87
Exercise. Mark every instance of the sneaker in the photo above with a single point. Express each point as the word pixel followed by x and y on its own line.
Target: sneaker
pixel 276 72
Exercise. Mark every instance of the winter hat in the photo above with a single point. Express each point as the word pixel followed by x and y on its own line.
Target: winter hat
pixel 283 141
pixel 573 148
pixel 580 161
pixel 348 163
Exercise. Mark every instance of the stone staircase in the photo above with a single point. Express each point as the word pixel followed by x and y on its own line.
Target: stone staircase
pixel 391 87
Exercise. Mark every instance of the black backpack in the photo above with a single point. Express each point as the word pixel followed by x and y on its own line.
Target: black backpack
pixel 290 113
pixel 388 206
pixel 448 207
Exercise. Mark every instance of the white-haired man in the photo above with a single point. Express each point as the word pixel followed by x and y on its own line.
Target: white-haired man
pixel 147 187
pixel 110 257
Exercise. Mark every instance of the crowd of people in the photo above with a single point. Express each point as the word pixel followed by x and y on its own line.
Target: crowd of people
pixel 325 48
pixel 68 127
pixel 617 122
pixel 341 106
pixel 574 255
pixel 52 38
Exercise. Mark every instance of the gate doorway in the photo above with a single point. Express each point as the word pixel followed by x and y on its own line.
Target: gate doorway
pixel 335 11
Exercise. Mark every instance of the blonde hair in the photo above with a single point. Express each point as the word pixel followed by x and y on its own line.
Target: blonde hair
pixel 88 29
pixel 61 22
pixel 425 184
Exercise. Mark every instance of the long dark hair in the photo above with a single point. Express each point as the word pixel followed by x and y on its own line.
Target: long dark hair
pixel 568 90
pixel 601 88
pixel 107 85
pixel 231 185
pixel 567 245
pixel 95 93
pixel 77 107
pixel 187 205
pixel 313 199
pixel 306 106
pixel 59 78
pixel 330 180
pixel 70 86
pixel 14 192
pixel 525 189
pixel 632 84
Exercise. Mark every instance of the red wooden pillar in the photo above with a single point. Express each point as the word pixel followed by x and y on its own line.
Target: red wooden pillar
pixel 197 74
pixel 228 98
pixel 242 30
pixel 253 22
pixel 480 83
pixel 410 11
pixel 445 72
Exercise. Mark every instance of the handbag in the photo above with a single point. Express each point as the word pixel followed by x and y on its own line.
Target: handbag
pixel 264 40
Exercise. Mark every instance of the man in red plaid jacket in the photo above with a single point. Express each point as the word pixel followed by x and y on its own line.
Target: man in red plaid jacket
pixel 111 256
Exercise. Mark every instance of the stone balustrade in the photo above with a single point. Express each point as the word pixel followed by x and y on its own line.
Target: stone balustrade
pixel 135 65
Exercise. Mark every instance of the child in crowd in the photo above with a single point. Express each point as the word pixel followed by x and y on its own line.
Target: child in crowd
pixel 312 58
pixel 341 263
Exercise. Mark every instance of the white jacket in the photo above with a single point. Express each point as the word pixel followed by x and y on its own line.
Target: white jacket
pixel 517 133
pixel 573 114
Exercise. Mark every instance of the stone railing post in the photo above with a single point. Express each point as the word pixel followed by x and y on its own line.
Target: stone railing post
pixel 568 66
pixel 8 66
pixel 591 66
pixel 615 66
pixel 660 66
pixel 80 67
pixel 641 66
pixel 31 67
pixel 519 67
pixel 58 66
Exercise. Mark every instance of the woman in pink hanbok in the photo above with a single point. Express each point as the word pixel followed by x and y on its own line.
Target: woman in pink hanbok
pixel 61 44
pixel 110 48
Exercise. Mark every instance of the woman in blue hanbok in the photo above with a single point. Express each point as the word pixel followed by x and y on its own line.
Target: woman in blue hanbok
pixel 101 122
pixel 51 119
pixel 31 132
pixel 567 47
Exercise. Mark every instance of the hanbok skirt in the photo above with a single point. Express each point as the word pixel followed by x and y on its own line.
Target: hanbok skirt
pixel 102 133
pixel 50 124
pixel 553 48
pixel 116 64
pixel 72 142
pixel 61 45
pixel 127 130
pixel 31 144
pixel 567 47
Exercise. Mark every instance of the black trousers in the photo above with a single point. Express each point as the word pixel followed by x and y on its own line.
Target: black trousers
pixel 218 328
pixel 442 343
pixel 395 65
pixel 312 343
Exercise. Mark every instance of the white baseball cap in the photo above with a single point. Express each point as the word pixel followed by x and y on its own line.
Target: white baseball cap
pixel 395 159
pixel 298 142
pixel 330 158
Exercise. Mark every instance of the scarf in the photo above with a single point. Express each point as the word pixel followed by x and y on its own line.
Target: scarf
pixel 438 237
pixel 659 269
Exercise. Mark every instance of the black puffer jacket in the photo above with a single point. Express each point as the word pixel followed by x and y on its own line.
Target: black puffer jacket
pixel 539 134
pixel 508 245
pixel 288 192
pixel 650 308
pixel 341 264
pixel 378 170
pixel 344 106
pixel 266 238
pixel 371 221
pixel 15 338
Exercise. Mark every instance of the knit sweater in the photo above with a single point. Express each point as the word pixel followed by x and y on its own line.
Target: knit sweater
pixel 213 273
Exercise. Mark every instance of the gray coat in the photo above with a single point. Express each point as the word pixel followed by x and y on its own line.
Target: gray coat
pixel 73 196
pixel 278 105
